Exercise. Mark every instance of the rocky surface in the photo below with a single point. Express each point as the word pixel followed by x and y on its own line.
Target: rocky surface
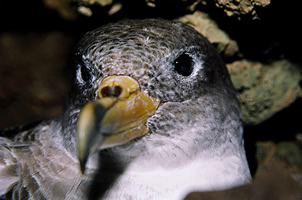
pixel 241 8
pixel 265 89
pixel 208 27
pixel 238 8
pixel 285 152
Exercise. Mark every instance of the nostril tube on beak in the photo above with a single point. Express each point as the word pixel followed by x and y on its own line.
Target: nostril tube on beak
pixel 117 90
pixel 113 91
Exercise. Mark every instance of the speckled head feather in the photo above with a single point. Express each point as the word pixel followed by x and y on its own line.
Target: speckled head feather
pixel 194 140
pixel 146 50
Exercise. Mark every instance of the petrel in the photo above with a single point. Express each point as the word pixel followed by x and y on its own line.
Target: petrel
pixel 152 114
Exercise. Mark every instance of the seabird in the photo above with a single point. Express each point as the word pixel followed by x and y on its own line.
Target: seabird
pixel 152 114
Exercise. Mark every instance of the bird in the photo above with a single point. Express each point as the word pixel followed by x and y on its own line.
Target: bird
pixel 152 114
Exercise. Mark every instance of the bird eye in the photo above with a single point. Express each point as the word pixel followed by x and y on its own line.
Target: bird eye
pixel 85 73
pixel 184 65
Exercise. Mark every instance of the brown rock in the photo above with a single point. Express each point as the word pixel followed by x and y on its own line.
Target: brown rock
pixel 264 89
pixel 241 7
pixel 208 28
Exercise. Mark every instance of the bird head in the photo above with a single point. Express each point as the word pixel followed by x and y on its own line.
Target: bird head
pixel 151 87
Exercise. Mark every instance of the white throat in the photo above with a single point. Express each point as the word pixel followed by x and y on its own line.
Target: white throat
pixel 163 183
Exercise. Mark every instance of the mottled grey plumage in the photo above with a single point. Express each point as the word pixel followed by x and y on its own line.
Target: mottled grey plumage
pixel 195 136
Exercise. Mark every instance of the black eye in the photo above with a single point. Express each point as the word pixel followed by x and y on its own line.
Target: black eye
pixel 85 73
pixel 184 65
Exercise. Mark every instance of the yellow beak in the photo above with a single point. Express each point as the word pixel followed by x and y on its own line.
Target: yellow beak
pixel 117 116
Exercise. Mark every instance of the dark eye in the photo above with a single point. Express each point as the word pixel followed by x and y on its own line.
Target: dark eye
pixel 184 65
pixel 85 73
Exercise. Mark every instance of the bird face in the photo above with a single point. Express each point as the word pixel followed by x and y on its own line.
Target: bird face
pixel 151 83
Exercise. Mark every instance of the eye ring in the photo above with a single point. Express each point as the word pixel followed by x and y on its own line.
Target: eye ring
pixel 84 70
pixel 184 65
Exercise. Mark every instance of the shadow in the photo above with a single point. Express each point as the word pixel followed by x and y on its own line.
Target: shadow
pixel 110 168
pixel 274 35
pixel 283 126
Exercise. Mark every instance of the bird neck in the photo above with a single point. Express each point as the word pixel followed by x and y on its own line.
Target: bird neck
pixel 157 182
pixel 64 127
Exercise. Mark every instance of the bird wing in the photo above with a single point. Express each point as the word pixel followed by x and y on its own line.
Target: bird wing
pixel 8 166
pixel 32 165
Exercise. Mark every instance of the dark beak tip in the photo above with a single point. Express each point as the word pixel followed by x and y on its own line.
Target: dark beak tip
pixel 83 166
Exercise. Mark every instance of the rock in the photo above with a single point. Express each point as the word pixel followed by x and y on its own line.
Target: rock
pixel 241 8
pixel 88 7
pixel 208 27
pixel 264 89
pixel 238 8
pixel 69 9
pixel 289 153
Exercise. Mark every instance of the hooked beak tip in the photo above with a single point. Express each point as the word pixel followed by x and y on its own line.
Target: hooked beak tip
pixel 83 166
